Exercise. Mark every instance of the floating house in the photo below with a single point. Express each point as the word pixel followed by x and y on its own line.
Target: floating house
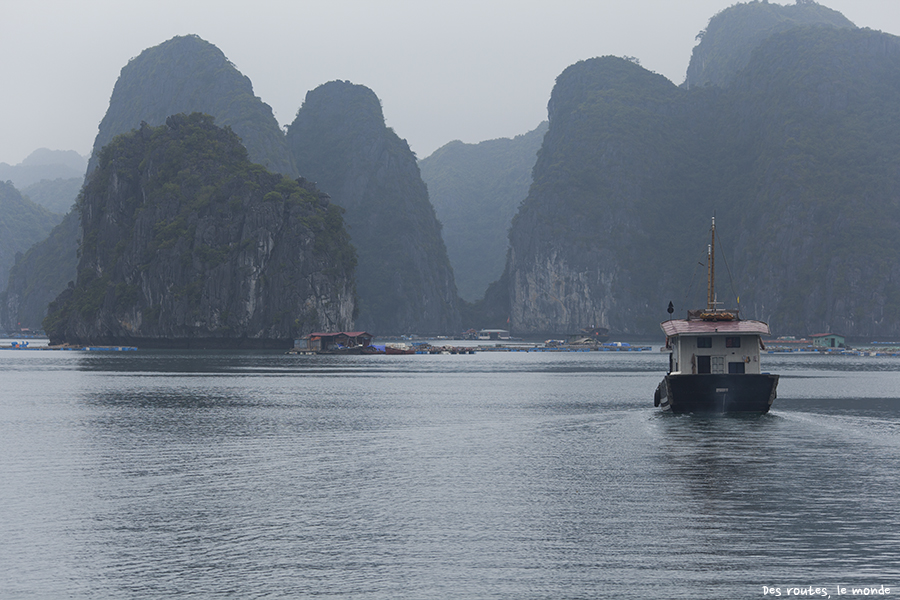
pixel 827 340
pixel 493 334
pixel 341 342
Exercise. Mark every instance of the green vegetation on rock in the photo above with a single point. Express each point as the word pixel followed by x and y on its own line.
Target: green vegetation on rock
pixel 188 243
pixel 799 157
pixel 183 75
pixel 732 35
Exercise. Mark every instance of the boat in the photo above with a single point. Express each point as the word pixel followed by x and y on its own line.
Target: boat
pixel 598 335
pixel 714 359
pixel 399 348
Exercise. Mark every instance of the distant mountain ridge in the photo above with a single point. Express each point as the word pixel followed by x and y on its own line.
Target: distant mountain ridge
pixel 476 189
pixel 22 223
pixel 24 304
pixel 44 164
pixel 67 158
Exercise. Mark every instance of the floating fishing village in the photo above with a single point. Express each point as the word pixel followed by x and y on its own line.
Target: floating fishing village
pixel 24 345
pixel 364 343
pixel 488 340
pixel 349 343
pixel 809 346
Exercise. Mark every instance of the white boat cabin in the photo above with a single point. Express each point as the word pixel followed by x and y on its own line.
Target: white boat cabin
pixel 713 343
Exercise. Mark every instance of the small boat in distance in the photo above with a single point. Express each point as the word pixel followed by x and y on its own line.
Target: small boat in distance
pixel 714 359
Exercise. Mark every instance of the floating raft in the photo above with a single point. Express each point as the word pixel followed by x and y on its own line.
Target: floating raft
pixel 16 346
pixel 105 348
pixel 613 347
pixel 425 348
pixel 893 352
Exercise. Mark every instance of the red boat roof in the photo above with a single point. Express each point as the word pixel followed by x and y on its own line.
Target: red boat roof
pixel 685 327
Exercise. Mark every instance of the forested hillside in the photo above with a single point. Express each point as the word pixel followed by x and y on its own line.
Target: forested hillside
pixel 799 157
pixel 183 75
pixel 476 189
pixel 820 246
pixel 189 244
pixel 732 35
pixel 608 184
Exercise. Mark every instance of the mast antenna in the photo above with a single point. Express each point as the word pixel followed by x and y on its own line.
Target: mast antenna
pixel 711 265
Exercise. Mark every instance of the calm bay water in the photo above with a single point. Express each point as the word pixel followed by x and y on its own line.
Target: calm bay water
pixel 495 475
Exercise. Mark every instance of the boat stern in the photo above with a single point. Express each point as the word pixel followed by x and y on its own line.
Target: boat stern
pixel 717 393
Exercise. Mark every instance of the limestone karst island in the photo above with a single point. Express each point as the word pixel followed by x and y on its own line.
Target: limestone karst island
pixel 200 222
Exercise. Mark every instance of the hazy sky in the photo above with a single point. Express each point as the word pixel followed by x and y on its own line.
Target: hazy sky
pixel 468 70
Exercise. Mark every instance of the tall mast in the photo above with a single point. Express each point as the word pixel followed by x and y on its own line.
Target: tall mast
pixel 711 266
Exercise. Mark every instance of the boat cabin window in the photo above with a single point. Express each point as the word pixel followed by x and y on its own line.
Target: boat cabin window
pixel 704 342
pixel 733 342
pixel 736 367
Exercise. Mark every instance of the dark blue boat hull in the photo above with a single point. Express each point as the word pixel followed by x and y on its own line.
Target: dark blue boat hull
pixel 718 393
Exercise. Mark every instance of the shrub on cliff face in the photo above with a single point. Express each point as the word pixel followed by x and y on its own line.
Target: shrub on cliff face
pixel 186 239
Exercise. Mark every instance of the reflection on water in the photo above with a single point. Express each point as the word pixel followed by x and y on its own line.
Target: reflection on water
pixel 477 476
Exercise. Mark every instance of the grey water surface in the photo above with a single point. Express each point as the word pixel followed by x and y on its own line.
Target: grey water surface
pixel 495 475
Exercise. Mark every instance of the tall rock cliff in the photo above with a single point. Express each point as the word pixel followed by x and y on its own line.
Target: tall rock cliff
pixel 404 280
pixel 188 244
pixel 183 75
pixel 815 130
pixel 476 189
pixel 799 157
pixel 579 242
